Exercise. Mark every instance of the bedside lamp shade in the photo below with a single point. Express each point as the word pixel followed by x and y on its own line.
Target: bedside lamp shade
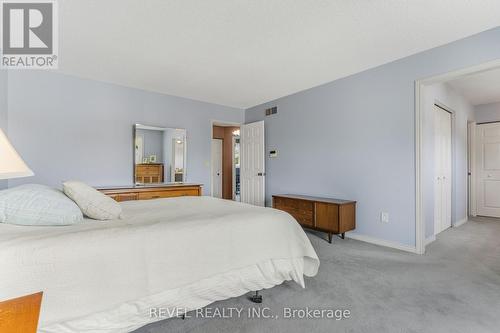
pixel 11 164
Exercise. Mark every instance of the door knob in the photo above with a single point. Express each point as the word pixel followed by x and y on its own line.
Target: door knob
pixel 261 174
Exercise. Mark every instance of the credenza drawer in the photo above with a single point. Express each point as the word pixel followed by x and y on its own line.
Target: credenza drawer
pixel 166 194
pixel 151 195
pixel 294 204
pixel 149 171
pixel 303 217
pixel 127 197
pixel 302 211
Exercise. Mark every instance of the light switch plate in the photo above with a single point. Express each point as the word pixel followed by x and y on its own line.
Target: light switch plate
pixel 384 217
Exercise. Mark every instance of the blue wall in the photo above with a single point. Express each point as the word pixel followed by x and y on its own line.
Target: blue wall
pixel 70 128
pixel 153 143
pixel 354 137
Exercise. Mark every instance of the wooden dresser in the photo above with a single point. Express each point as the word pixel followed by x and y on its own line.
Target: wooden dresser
pixel 151 191
pixel 333 216
pixel 149 173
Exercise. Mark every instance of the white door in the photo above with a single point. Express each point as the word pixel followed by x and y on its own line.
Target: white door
pixel 488 169
pixel 217 168
pixel 442 170
pixel 252 164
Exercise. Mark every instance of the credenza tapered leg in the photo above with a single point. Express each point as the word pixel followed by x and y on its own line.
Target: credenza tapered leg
pixel 343 235
pixel 330 238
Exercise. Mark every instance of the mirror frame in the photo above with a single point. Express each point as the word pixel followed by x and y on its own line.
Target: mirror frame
pixel 134 132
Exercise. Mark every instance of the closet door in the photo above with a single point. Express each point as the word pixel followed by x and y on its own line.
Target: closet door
pixel 442 170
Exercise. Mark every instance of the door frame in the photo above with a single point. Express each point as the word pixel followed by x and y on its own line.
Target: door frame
pixel 233 144
pixel 471 147
pixel 419 105
pixel 217 123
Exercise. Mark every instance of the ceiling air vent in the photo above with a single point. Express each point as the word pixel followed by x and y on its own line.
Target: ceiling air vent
pixel 271 111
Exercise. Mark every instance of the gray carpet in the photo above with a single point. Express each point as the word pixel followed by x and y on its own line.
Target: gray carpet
pixel 455 287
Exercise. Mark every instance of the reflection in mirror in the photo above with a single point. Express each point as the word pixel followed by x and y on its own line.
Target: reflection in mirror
pixel 160 154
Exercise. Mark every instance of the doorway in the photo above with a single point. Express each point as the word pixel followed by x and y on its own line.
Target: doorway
pixel 470 94
pixel 225 161
pixel 243 162
pixel 442 169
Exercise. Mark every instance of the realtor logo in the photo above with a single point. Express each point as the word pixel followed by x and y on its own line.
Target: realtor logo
pixel 29 34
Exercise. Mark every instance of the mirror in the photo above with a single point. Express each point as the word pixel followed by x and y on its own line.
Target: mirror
pixel 159 154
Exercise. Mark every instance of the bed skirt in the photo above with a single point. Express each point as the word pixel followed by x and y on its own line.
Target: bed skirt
pixel 134 314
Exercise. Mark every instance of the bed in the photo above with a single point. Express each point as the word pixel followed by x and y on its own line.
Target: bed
pixel 183 253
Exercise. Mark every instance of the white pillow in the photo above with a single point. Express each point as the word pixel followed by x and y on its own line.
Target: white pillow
pixel 93 203
pixel 34 204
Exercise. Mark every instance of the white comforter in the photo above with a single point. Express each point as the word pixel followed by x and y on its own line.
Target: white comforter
pixel 180 252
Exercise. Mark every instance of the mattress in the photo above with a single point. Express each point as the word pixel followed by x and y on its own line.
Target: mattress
pixel 186 252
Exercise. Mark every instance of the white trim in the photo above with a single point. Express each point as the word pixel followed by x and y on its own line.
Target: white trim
pixel 233 166
pixel 153 128
pixel 461 222
pixel 419 209
pixel 430 239
pixel 472 168
pixel 224 123
pixel 419 104
pixel 381 242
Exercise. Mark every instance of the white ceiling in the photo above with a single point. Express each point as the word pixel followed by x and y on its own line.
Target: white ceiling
pixel 245 52
pixel 480 88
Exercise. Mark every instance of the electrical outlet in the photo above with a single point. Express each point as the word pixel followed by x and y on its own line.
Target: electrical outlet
pixel 384 217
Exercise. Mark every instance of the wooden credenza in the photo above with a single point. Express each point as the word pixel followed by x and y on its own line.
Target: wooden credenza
pixel 333 216
pixel 152 191
pixel 148 173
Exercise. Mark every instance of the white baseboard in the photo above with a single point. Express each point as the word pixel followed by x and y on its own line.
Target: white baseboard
pixel 381 242
pixel 459 223
pixel 430 239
